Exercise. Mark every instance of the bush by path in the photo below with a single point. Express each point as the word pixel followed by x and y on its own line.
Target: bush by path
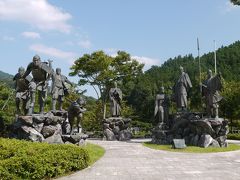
pixel 233 136
pixel 28 160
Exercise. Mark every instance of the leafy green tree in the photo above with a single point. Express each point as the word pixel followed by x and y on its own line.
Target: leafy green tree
pixel 230 106
pixel 236 2
pixel 7 103
pixel 100 71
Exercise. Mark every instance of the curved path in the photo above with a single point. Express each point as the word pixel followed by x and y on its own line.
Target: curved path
pixel 133 161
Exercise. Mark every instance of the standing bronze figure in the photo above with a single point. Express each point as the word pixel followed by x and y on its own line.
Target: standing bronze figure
pixel 161 110
pixel 115 95
pixel 41 72
pixel 58 89
pixel 22 92
pixel 180 90
pixel 210 90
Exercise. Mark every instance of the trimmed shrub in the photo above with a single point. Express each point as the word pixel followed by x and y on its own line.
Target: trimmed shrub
pixel 233 136
pixel 27 160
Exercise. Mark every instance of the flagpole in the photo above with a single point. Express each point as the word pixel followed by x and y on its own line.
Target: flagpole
pixel 199 67
pixel 215 57
pixel 199 61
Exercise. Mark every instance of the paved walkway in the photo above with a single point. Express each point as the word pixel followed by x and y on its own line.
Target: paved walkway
pixel 133 161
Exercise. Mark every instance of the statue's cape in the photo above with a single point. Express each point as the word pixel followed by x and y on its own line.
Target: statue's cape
pixel 212 87
pixel 29 78
pixel 183 79
pixel 186 80
pixel 155 110
pixel 46 68
pixel 117 91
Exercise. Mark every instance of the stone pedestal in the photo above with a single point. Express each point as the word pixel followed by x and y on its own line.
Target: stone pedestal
pixel 51 127
pixel 196 131
pixel 117 128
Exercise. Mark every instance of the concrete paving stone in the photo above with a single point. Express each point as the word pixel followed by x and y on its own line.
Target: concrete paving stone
pixel 133 161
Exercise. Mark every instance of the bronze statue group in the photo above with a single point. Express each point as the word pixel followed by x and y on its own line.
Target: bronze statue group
pixel 27 86
pixel 210 91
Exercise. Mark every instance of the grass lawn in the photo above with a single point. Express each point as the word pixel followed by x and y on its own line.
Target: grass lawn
pixel 95 152
pixel 192 149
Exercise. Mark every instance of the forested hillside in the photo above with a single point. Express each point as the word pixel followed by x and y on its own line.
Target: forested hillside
pixel 6 78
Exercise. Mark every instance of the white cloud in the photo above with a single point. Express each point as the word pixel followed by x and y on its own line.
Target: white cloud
pixel 31 35
pixel 147 61
pixel 8 38
pixel 111 51
pixel 38 13
pixel 53 52
pixel 85 44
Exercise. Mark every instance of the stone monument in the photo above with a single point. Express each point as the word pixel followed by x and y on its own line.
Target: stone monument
pixel 116 127
pixel 193 128
pixel 53 126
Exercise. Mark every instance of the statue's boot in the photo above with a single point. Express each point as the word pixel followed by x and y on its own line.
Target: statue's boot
pixel 79 128
pixel 30 110
pixel 41 108
pixel 18 111
pixel 18 106
pixel 32 103
pixel 60 106
pixel 72 131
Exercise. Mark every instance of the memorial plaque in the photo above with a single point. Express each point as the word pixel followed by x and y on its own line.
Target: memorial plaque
pixel 179 144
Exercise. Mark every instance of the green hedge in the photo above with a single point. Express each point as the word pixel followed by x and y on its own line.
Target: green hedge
pixel 28 160
pixel 233 136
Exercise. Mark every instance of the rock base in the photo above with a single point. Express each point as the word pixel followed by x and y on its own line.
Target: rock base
pixel 117 128
pixel 51 127
pixel 196 131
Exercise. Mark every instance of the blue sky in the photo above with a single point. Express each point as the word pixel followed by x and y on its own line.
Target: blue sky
pixel 151 31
